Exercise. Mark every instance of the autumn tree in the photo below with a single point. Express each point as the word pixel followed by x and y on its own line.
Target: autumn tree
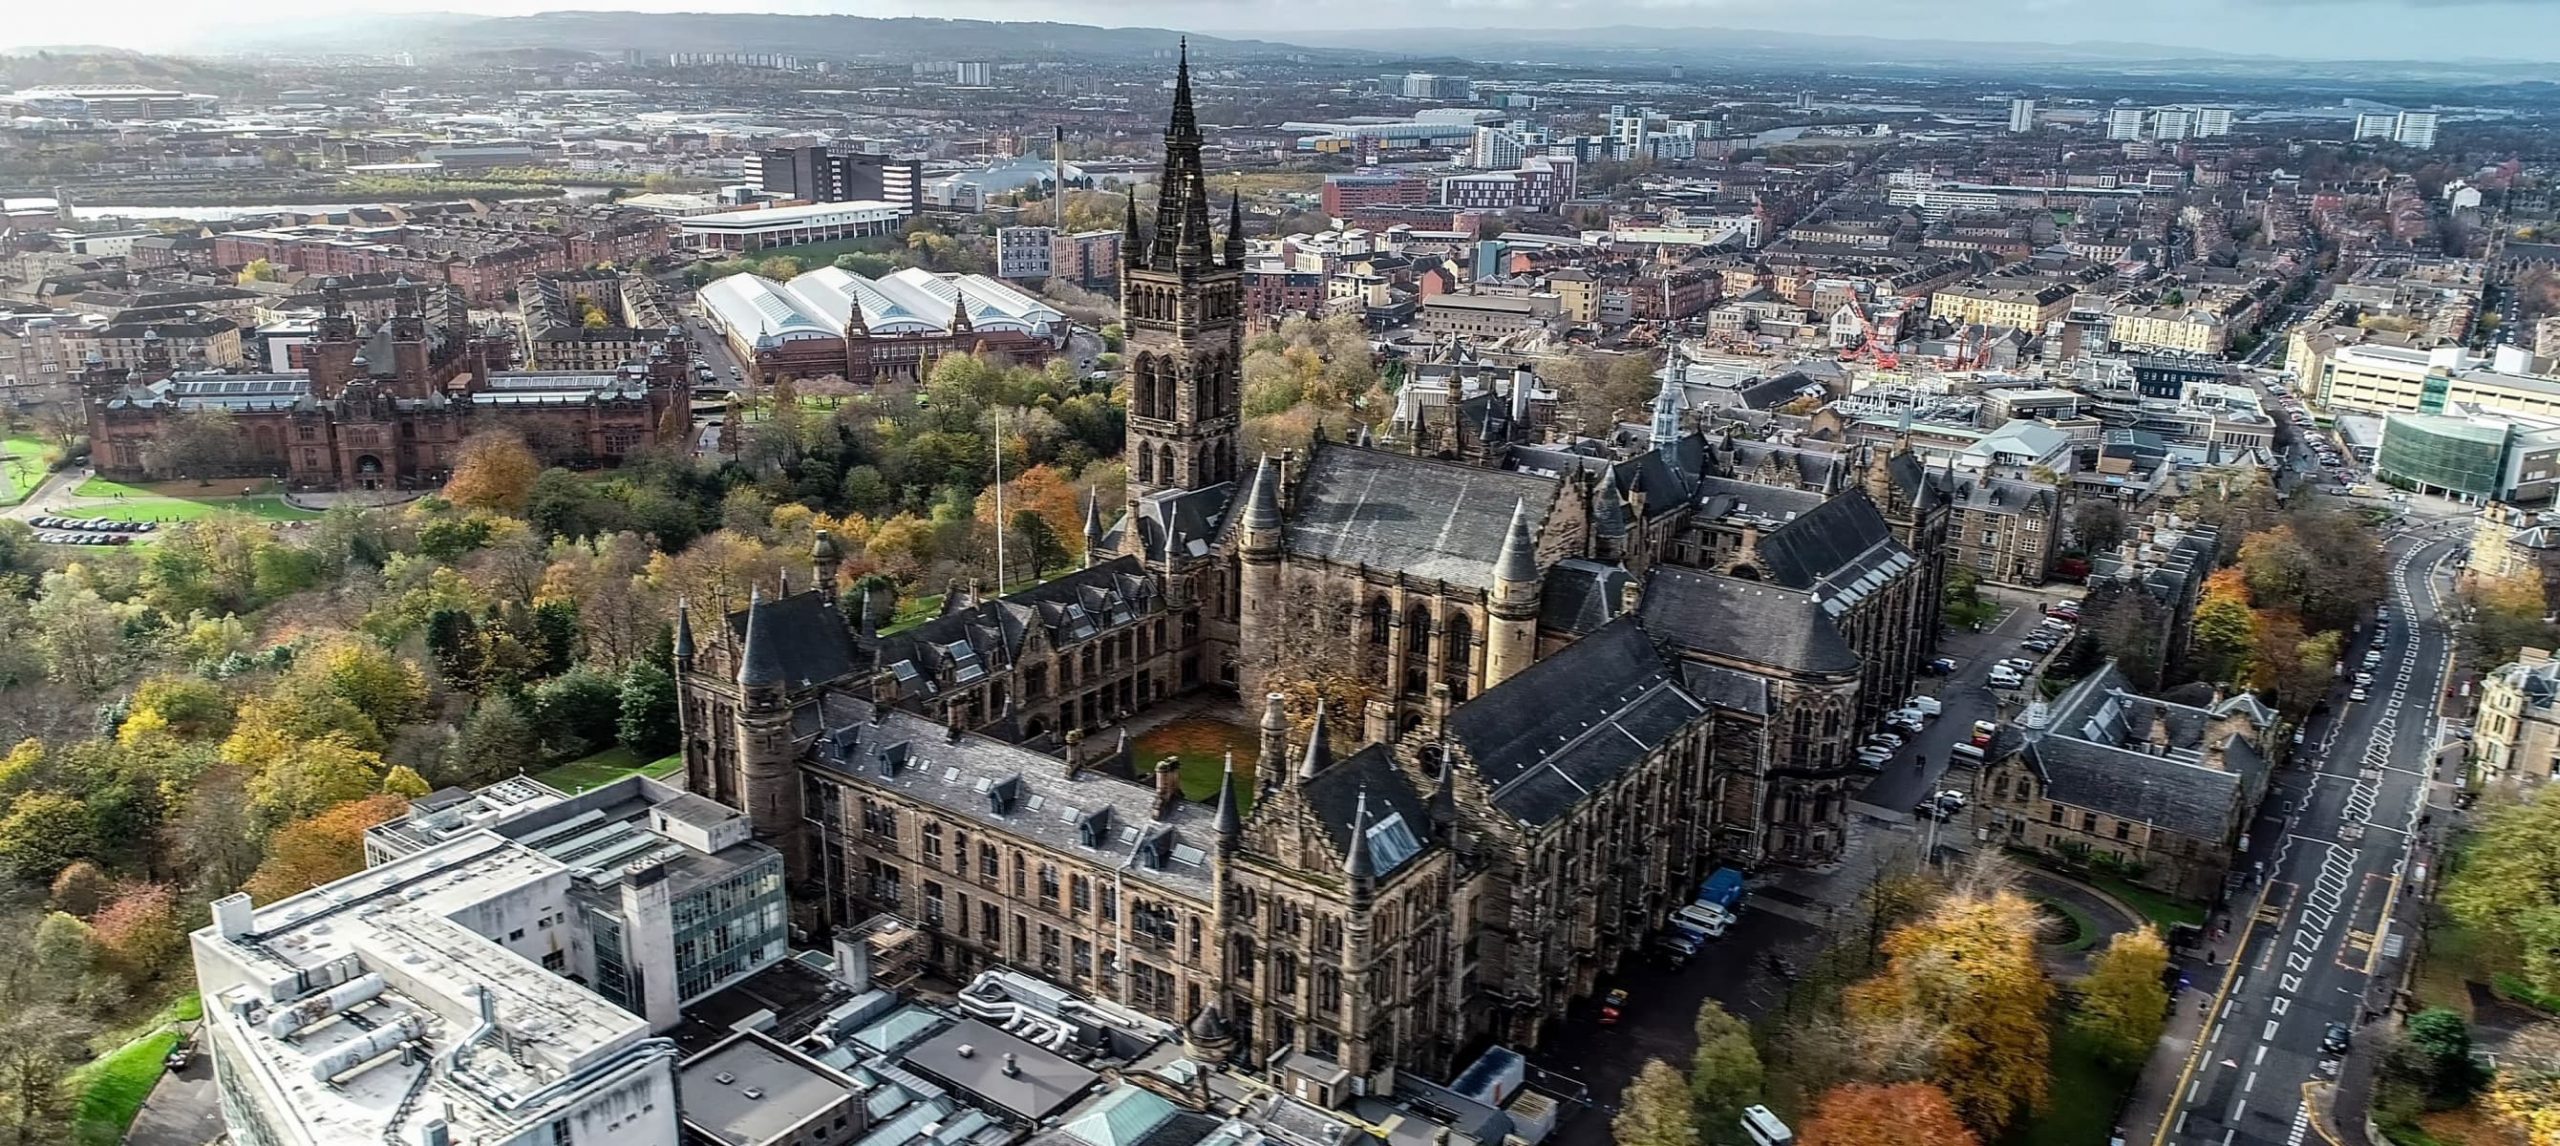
pixel 1319 652
pixel 494 470
pixel 81 889
pixel 1900 1114
pixel 2123 1003
pixel 2506 615
pixel 1655 1110
pixel 2225 633
pixel 138 933
pixel 43 831
pixel 2503 888
pixel 311 775
pixel 1724 1074
pixel 199 443
pixel 1967 971
pixel 307 853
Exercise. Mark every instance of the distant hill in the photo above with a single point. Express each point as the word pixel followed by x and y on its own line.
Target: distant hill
pixel 90 64
pixel 828 37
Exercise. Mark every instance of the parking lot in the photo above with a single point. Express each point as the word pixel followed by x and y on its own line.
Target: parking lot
pixel 88 531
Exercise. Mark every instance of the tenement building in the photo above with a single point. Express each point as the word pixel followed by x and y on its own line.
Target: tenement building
pixel 1511 700
pixel 381 409
pixel 593 320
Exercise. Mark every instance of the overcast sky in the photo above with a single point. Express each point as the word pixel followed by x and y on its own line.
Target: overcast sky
pixel 2368 29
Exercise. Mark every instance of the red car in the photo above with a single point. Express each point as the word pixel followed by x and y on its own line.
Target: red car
pixel 1613 1008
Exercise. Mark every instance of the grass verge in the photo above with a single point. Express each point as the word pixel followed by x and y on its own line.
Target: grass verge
pixel 2161 909
pixel 1201 746
pixel 23 464
pixel 2084 930
pixel 264 506
pixel 112 1089
pixel 2086 1097
pixel 606 767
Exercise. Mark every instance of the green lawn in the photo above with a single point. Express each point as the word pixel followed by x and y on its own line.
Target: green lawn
pixel 2160 909
pixel 22 468
pixel 149 508
pixel 606 767
pixel 2084 930
pixel 1201 746
pixel 2085 1098
pixel 112 1088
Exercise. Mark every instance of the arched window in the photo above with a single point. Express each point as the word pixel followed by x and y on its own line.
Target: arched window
pixel 1142 387
pixel 1457 644
pixel 1165 472
pixel 1382 620
pixel 1146 465
pixel 1417 634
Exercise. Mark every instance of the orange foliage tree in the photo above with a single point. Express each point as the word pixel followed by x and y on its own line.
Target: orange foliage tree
pixel 1967 973
pixel 307 853
pixel 1904 1114
pixel 494 470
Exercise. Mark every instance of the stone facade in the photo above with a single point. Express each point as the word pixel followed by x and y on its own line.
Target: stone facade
pixel 1424 852
pixel 384 410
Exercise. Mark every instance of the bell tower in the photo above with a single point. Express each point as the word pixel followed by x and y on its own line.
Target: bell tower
pixel 1182 306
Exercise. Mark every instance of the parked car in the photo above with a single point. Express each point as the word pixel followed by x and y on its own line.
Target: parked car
pixel 1705 919
pixel 1924 705
pixel 2006 677
pixel 1613 1008
pixel 1942 666
pixel 2358 694
pixel 1941 805
pixel 1885 740
pixel 2334 1039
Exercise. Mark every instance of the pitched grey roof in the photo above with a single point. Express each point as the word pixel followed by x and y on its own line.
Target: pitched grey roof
pixel 1335 793
pixel 1430 519
pixel 1581 595
pixel 2112 750
pixel 978 779
pixel 799 641
pixel 972 641
pixel 1749 621
pixel 1842 550
pixel 1569 725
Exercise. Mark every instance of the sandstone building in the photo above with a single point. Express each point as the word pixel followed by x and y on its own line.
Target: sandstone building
pixel 1511 704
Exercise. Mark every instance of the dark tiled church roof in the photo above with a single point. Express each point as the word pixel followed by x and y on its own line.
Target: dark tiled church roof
pixel 1430 519
pixel 799 641
pixel 1750 621
pixel 1569 725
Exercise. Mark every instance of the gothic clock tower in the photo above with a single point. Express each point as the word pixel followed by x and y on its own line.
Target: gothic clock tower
pixel 1182 307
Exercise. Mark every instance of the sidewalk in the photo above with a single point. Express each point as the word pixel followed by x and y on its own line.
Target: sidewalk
pixel 2164 1079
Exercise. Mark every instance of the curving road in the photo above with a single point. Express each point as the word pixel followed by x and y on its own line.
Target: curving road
pixel 2320 934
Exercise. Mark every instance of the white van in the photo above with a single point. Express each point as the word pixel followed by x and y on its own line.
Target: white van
pixel 1764 1127
pixel 1965 752
pixel 1924 705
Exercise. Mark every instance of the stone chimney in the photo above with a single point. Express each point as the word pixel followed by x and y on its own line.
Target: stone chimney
pixel 1168 786
pixel 1075 752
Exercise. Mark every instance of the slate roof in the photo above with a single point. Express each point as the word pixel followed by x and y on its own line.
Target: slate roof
pixel 1434 520
pixel 1667 477
pixel 1334 796
pixel 2110 749
pixel 1726 688
pixel 803 640
pixel 1802 468
pixel 1750 621
pixel 1581 595
pixel 978 779
pixel 1187 520
pixel 1841 551
pixel 2002 495
pixel 963 646
pixel 1569 725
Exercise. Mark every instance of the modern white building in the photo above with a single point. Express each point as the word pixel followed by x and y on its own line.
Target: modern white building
pixel 2377 124
pixel 2213 121
pixel 741 231
pixel 1495 149
pixel 2169 124
pixel 2022 116
pixel 435 997
pixel 2415 129
pixel 2124 123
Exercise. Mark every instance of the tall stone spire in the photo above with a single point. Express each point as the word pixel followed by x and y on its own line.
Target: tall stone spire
pixel 1230 817
pixel 1319 748
pixel 1356 863
pixel 1182 192
pixel 1235 228
pixel 684 634
pixel 1133 246
pixel 1262 505
pixel 1519 561
pixel 1666 407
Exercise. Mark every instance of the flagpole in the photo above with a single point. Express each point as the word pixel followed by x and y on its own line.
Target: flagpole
pixel 995 416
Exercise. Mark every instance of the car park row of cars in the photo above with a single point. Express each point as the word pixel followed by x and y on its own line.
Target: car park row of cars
pixel 88 531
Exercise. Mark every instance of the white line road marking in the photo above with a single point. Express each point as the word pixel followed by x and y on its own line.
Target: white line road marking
pixel 2250 1083
pixel 2260 1057
pixel 2270 1035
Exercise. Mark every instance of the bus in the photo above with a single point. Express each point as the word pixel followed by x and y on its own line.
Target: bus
pixel 1765 1128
